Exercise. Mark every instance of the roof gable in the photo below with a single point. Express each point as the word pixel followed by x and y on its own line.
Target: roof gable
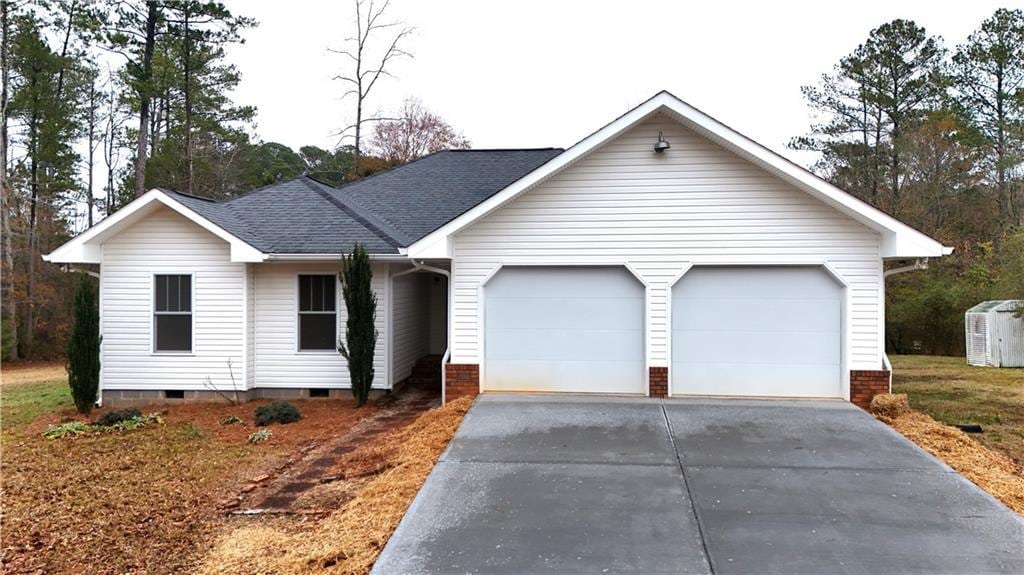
pixel 898 239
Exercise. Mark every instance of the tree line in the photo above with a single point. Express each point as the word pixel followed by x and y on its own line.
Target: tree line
pixel 103 100
pixel 934 136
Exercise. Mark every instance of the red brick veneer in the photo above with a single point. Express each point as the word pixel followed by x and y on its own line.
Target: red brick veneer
pixel 657 378
pixel 461 379
pixel 866 384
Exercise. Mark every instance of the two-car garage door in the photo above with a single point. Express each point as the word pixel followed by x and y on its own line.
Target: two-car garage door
pixel 736 330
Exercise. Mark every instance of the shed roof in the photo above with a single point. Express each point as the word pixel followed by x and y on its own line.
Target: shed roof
pixel 997 306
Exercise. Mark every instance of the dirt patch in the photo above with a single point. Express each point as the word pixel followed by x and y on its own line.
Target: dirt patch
pixel 143 501
pixel 32 372
pixel 991 470
pixel 349 540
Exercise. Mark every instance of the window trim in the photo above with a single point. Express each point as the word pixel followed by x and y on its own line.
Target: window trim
pixel 153 313
pixel 297 313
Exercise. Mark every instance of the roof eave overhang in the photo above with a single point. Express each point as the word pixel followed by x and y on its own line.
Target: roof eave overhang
pixel 898 240
pixel 87 247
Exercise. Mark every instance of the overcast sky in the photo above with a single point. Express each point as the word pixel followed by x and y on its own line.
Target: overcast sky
pixel 545 73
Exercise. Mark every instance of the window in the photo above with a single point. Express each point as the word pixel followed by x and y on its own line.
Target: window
pixel 172 313
pixel 317 316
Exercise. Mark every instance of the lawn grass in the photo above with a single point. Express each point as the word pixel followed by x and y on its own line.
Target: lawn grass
pixel 953 392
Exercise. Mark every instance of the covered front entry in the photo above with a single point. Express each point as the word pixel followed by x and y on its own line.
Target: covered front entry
pixel 757 331
pixel 564 329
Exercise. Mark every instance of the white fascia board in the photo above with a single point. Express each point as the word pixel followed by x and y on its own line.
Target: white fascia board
pixel 86 247
pixel 898 239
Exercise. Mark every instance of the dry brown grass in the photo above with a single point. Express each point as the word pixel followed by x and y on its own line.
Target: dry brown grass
pixel 349 540
pixel 35 372
pixel 953 392
pixel 991 470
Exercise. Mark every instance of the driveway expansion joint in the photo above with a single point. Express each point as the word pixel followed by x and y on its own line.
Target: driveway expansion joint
pixel 689 493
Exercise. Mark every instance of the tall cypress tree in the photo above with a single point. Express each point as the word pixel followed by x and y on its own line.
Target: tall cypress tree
pixel 84 347
pixel 360 330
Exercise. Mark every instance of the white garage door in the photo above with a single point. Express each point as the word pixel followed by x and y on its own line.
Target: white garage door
pixel 757 331
pixel 574 329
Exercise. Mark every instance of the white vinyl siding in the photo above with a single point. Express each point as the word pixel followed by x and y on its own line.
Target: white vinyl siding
pixel 167 243
pixel 278 361
pixel 696 203
pixel 410 309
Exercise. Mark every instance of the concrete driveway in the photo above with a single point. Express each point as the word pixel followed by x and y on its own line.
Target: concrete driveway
pixel 546 484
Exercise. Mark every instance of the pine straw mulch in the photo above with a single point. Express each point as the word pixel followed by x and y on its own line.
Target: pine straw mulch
pixel 348 540
pixel 992 471
pixel 142 501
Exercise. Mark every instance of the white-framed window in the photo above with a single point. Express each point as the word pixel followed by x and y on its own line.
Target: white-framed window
pixel 172 313
pixel 318 316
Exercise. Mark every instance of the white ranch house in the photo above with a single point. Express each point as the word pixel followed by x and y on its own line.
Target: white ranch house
pixel 664 254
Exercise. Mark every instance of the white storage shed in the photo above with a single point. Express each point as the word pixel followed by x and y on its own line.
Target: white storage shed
pixel 995 334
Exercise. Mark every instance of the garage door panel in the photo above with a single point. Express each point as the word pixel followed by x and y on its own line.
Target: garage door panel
pixel 758 347
pixel 574 282
pixel 757 330
pixel 818 315
pixel 563 376
pixel 734 282
pixel 753 379
pixel 564 329
pixel 563 312
pixel 568 345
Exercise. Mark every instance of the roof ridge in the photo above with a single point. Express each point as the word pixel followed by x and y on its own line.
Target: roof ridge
pixel 358 215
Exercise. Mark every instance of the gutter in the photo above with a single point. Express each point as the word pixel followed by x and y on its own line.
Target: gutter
pixel 322 257
pixel 919 264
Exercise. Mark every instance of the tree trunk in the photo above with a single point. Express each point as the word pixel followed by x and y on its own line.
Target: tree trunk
pixel 33 149
pixel 9 307
pixel 92 149
pixel 186 66
pixel 144 99
pixel 64 48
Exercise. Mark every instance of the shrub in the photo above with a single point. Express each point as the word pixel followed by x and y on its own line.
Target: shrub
pixel 136 422
pixel 117 416
pixel 71 428
pixel 360 331
pixel 277 412
pixel 260 436
pixel 83 352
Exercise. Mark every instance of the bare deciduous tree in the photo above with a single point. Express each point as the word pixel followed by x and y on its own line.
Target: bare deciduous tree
pixel 416 132
pixel 366 68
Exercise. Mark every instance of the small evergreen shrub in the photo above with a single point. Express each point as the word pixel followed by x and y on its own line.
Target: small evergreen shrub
pixel 277 412
pixel 117 416
pixel 360 326
pixel 83 351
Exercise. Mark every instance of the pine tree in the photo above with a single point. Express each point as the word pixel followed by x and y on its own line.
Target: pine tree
pixel 360 330
pixel 84 347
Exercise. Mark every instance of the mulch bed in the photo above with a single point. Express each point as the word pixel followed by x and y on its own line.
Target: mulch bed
pixel 348 540
pixel 143 500
pixel 990 470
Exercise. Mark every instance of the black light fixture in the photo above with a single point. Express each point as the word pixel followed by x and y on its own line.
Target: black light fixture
pixel 662 144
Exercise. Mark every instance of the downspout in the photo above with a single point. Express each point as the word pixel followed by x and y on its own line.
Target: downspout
pixel 919 264
pixel 420 266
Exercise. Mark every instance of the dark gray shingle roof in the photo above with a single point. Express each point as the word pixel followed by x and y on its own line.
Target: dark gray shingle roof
pixel 423 195
pixel 385 211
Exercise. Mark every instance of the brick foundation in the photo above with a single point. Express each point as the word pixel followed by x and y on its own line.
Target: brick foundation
pixel 866 384
pixel 461 380
pixel 657 378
